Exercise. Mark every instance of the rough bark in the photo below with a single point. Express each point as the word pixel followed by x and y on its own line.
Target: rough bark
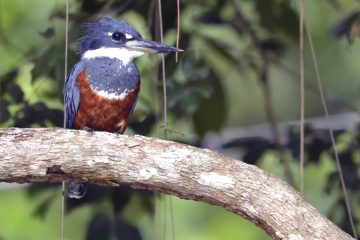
pixel 41 155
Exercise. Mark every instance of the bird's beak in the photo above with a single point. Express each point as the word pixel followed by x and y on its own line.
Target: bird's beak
pixel 148 46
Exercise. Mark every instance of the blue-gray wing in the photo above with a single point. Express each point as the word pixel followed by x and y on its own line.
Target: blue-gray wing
pixel 72 94
pixel 133 107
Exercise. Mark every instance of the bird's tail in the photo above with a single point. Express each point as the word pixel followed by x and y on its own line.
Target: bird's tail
pixel 76 189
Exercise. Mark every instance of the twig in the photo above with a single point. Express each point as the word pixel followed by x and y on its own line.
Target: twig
pixel 165 117
pixel 65 77
pixel 245 26
pixel 302 94
pixel 331 132
pixel 310 86
pixel 177 30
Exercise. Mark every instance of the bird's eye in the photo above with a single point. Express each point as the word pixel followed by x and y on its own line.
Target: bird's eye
pixel 116 36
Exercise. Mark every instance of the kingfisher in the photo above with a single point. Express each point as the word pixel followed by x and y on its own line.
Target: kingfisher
pixel 101 90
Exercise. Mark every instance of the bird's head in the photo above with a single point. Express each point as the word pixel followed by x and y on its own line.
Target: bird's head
pixel 108 37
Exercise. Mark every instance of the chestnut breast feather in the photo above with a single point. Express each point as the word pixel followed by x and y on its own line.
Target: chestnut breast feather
pixel 101 112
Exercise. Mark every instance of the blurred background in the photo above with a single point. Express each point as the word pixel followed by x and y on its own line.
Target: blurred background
pixel 235 89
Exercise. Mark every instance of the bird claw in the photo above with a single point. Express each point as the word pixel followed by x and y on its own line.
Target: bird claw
pixel 89 130
pixel 119 132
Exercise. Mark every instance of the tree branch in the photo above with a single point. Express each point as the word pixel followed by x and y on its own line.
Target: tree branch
pixel 40 155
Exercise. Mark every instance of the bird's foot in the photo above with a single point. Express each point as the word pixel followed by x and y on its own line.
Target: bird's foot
pixel 119 132
pixel 89 130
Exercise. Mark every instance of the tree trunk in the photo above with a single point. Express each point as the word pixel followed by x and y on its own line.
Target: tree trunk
pixel 41 155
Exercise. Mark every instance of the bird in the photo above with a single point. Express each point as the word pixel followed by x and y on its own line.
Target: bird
pixel 102 89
